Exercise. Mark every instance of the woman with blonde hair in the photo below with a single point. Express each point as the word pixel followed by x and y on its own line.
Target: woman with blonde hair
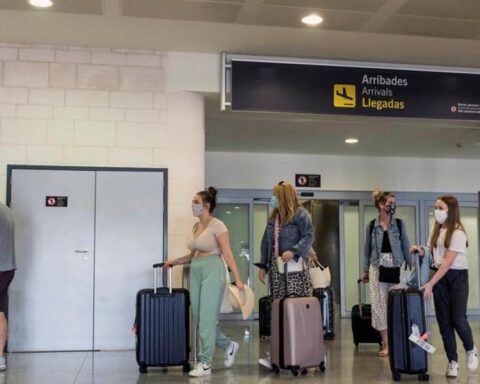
pixel 449 283
pixel 288 238
pixel 386 250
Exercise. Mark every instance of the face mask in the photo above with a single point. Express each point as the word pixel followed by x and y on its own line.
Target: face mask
pixel 390 209
pixel 274 202
pixel 441 216
pixel 197 209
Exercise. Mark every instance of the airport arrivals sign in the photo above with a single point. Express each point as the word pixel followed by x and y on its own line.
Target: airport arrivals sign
pixel 322 89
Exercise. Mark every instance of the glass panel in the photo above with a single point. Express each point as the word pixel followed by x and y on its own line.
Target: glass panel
pixel 352 258
pixel 470 221
pixel 260 217
pixel 235 217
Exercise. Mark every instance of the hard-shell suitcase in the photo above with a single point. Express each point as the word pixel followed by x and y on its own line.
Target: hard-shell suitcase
pixel 297 333
pixel 406 308
pixel 264 313
pixel 163 324
pixel 325 295
pixel 362 329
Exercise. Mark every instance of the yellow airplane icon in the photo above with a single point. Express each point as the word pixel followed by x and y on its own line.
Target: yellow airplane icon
pixel 344 95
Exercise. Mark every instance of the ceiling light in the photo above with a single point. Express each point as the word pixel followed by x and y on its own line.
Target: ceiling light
pixel 41 3
pixel 228 212
pixel 351 141
pixel 312 20
pixel 237 207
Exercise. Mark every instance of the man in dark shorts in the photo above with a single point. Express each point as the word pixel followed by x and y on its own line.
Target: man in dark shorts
pixel 7 270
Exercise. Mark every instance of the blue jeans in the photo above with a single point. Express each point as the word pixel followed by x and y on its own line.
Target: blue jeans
pixel 450 296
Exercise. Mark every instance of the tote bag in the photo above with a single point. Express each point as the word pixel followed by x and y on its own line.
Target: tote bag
pixel 319 275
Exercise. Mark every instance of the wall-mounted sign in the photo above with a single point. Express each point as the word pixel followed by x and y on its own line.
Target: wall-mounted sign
pixel 56 201
pixel 307 181
pixel 308 88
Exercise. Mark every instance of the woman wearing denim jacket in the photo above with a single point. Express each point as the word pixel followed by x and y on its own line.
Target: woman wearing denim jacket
pixel 386 245
pixel 295 238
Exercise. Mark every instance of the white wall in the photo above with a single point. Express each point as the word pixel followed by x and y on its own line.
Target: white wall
pixel 102 107
pixel 348 173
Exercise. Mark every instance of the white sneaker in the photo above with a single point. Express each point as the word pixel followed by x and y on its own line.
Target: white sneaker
pixel 230 353
pixel 472 359
pixel 201 369
pixel 266 362
pixel 3 363
pixel 452 369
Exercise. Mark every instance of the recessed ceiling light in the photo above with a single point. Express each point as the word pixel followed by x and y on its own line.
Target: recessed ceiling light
pixel 312 20
pixel 41 3
pixel 237 207
pixel 351 141
pixel 228 212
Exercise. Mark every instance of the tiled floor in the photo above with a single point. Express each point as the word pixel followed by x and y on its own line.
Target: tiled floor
pixel 344 364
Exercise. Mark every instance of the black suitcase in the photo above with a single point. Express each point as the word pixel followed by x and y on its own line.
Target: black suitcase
pixel 163 325
pixel 362 329
pixel 325 295
pixel 405 308
pixel 264 316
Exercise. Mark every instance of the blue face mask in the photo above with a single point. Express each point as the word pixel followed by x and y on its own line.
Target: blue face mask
pixel 274 202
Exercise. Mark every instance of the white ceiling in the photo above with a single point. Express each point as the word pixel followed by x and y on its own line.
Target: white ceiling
pixel 430 32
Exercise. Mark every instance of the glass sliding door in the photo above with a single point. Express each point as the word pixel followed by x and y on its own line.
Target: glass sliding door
pixel 260 217
pixel 237 219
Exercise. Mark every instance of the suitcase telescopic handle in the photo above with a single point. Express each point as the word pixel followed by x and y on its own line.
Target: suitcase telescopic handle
pixel 156 267
pixel 359 284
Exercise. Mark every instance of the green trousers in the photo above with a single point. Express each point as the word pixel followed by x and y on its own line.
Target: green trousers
pixel 207 284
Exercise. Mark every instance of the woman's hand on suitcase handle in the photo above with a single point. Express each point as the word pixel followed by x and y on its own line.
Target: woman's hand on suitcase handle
pixel 427 291
pixel 168 264
pixel 262 274
pixel 366 276
pixel 286 256
pixel 417 249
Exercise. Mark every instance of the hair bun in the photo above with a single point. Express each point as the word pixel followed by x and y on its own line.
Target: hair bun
pixel 376 194
pixel 212 192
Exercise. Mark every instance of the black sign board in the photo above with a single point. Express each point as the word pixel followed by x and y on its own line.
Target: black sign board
pixel 322 89
pixel 310 181
pixel 56 201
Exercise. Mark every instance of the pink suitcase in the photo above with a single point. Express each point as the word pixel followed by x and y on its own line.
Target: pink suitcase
pixel 297 334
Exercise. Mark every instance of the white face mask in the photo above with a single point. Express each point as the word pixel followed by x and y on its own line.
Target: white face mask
pixel 197 209
pixel 441 216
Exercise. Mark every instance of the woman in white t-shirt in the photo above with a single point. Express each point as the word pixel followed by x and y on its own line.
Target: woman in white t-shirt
pixel 449 283
pixel 208 243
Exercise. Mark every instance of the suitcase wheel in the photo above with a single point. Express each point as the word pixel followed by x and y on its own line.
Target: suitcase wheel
pixel 142 369
pixel 295 371
pixel 304 372
pixel 423 377
pixel 186 367
pixel 275 369
pixel 396 376
pixel 322 366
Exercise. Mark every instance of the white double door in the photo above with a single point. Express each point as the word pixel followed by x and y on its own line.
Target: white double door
pixel 79 266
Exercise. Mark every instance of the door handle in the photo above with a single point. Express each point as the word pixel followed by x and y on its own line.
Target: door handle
pixel 81 251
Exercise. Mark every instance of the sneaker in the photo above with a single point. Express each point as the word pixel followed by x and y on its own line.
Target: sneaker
pixel 472 359
pixel 3 363
pixel 452 369
pixel 230 353
pixel 266 362
pixel 201 369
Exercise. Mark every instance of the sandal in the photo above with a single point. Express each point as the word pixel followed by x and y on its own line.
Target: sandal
pixel 383 353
